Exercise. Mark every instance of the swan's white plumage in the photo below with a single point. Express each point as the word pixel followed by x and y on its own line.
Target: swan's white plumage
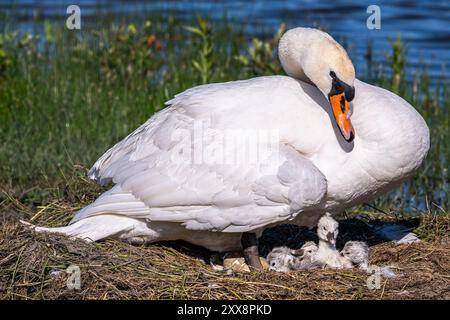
pixel 312 170
pixel 214 197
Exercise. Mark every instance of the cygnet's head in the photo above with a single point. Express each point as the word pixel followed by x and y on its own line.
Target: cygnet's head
pixel 309 249
pixel 280 259
pixel 357 252
pixel 328 229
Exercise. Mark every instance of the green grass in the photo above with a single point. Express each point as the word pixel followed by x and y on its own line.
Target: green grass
pixel 65 97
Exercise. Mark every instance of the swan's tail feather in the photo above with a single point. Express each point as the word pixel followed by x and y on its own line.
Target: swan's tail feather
pixel 113 202
pixel 91 229
pixel 113 214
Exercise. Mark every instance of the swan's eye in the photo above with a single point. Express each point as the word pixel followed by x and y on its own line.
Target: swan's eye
pixel 332 74
pixel 273 264
pixel 324 228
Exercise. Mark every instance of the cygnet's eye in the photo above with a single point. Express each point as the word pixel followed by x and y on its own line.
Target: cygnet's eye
pixel 324 228
pixel 272 263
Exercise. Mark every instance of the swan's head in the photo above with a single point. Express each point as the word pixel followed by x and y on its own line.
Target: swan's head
pixel 328 229
pixel 314 56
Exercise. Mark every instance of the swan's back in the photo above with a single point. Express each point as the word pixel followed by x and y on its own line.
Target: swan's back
pixel 276 103
pixel 158 176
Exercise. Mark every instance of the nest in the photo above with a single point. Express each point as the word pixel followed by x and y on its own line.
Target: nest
pixel 33 266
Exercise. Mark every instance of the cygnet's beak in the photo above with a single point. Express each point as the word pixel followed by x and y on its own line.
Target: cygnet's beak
pixel 331 238
pixel 298 252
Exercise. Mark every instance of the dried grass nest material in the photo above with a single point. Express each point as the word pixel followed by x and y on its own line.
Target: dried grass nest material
pixel 32 266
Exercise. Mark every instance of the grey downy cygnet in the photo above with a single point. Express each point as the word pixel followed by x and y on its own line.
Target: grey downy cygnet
pixel 357 252
pixel 283 259
pixel 280 259
pixel 305 257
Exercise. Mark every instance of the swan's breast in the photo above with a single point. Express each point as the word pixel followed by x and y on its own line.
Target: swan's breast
pixel 393 137
pixel 391 142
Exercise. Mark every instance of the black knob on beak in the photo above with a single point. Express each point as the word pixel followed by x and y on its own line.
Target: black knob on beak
pixel 349 93
pixel 298 252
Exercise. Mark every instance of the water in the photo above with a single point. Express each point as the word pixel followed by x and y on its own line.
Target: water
pixel 423 25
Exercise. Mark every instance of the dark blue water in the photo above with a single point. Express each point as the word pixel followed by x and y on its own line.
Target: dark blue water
pixel 423 25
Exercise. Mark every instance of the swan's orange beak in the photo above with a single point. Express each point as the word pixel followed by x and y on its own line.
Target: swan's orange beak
pixel 339 105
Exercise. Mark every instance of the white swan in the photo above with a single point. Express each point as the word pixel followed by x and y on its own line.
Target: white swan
pixel 323 162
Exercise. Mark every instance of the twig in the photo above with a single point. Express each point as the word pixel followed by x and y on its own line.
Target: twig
pixel 377 209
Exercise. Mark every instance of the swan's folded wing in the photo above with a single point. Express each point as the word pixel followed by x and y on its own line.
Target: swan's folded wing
pixel 158 177
pixel 137 145
pixel 228 198
pixel 222 104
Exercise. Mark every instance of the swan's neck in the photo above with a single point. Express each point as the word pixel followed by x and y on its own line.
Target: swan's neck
pixel 391 141
pixel 392 138
pixel 292 52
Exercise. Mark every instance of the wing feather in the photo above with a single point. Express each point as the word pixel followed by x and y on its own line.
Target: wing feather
pixel 152 182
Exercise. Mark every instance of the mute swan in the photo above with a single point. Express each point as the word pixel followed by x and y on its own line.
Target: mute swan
pixel 357 252
pixel 327 254
pixel 323 160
